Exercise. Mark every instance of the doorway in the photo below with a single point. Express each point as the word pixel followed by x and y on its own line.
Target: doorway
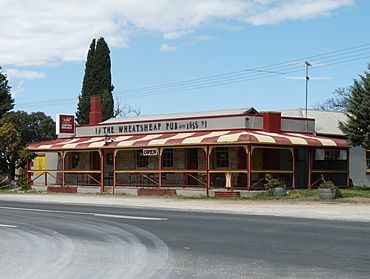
pixel 191 164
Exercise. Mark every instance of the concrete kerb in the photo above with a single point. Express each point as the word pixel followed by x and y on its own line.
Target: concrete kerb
pixel 88 190
pixel 132 191
pixel 126 191
pixel 189 193
pixel 40 188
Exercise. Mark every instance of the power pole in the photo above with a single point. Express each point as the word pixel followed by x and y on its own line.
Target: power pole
pixel 307 64
pixel 307 78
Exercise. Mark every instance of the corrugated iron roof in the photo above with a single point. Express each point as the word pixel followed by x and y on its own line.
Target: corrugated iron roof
pixel 326 122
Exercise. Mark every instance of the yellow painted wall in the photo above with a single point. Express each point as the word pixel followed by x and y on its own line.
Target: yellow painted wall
pixel 39 163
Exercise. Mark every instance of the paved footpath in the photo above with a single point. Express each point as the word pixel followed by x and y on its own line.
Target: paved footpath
pixel 298 209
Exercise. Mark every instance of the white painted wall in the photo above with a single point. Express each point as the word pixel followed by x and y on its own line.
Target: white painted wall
pixel 357 167
pixel 51 164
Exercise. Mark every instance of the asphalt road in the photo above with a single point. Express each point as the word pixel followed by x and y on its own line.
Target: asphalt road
pixel 54 241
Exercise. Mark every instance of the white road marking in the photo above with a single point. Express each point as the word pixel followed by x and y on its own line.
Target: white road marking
pixel 87 213
pixel 131 217
pixel 8 226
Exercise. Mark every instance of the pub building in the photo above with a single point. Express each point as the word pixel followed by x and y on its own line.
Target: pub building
pixel 204 153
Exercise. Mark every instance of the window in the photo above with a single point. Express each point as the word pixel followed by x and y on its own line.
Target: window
pixel 109 158
pixel 75 160
pixel 368 159
pixel 222 157
pixel 167 158
pixel 331 154
pixel 141 160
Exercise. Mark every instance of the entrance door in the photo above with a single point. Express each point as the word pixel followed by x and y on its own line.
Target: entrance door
pixel 242 165
pixel 191 164
pixel 108 168
pixel 301 165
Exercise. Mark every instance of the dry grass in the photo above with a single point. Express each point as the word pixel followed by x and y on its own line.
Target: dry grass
pixel 355 194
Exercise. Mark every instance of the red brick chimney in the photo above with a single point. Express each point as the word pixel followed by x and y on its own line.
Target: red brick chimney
pixel 95 115
pixel 271 121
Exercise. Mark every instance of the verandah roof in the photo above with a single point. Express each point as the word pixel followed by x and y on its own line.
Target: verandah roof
pixel 189 138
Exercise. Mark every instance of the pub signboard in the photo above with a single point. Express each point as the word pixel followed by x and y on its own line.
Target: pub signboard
pixel 65 125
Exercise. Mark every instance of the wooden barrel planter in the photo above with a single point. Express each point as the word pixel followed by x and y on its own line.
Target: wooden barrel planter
pixel 327 194
pixel 279 192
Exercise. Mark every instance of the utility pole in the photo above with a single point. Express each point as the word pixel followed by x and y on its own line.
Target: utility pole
pixel 307 64
pixel 307 78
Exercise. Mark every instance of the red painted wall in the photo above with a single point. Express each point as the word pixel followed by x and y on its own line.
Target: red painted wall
pixel 271 122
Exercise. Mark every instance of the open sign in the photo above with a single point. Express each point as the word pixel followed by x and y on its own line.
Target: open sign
pixel 150 152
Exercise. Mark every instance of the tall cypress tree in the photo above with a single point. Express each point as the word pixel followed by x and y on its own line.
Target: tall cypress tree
pixel 358 125
pixel 107 106
pixel 6 100
pixel 104 77
pixel 97 81
pixel 88 84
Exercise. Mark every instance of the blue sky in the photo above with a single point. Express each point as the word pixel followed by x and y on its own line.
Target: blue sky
pixel 44 46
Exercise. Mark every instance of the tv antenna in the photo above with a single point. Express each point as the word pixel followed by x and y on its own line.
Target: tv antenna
pixel 307 78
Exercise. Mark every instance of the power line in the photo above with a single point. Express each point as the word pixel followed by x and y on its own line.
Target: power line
pixel 207 84
pixel 273 67
pixel 233 76
pixel 281 68
pixel 185 88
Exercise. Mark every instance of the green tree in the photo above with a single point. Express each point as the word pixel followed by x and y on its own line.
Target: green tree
pixel 107 106
pixel 104 77
pixel 88 87
pixel 97 81
pixel 30 128
pixel 9 138
pixel 6 100
pixel 357 127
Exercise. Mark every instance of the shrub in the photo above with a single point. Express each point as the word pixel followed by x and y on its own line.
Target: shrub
pixel 272 183
pixel 338 194
pixel 25 183
pixel 327 185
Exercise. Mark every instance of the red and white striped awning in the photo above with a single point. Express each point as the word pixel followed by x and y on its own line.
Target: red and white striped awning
pixel 189 138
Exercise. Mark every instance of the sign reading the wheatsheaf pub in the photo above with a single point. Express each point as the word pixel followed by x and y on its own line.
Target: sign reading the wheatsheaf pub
pixel 181 125
pixel 152 127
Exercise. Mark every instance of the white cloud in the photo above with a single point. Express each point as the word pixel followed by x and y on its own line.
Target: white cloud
pixel 39 32
pixel 16 73
pixel 296 9
pixel 22 74
pixel 174 35
pixel 166 47
pixel 18 89
pixel 203 38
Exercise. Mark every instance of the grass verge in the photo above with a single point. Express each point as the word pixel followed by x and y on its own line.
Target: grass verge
pixel 354 194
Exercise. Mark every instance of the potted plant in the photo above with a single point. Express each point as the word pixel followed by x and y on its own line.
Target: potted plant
pixel 275 186
pixel 327 190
